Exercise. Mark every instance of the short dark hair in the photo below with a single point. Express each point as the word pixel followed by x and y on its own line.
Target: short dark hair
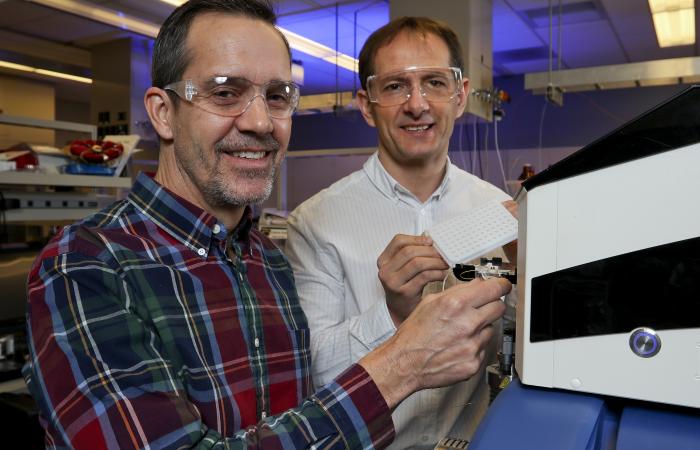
pixel 417 25
pixel 170 55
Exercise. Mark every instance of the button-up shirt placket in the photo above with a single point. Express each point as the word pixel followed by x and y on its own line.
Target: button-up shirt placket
pixel 255 338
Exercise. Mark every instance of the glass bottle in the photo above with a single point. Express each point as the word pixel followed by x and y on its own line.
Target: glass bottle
pixel 527 172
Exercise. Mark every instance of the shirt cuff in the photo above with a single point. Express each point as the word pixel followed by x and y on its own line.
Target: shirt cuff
pixel 358 409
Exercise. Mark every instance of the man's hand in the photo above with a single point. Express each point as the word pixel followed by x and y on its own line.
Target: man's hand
pixel 405 266
pixel 442 342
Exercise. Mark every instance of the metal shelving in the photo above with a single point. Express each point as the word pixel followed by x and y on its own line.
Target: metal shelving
pixel 39 215
pixel 49 179
pixel 27 179
pixel 49 124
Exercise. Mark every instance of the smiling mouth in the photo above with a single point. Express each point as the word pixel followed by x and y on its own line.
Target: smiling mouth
pixel 248 154
pixel 251 155
pixel 417 127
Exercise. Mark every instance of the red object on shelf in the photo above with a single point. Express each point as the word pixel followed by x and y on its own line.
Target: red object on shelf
pixel 22 155
pixel 27 161
pixel 96 152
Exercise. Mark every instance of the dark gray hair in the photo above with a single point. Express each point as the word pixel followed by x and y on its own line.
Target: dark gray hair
pixel 170 55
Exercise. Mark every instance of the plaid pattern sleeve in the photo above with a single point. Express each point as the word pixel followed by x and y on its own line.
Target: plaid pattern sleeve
pixel 152 326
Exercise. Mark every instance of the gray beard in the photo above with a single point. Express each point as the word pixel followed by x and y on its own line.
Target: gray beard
pixel 216 188
pixel 218 194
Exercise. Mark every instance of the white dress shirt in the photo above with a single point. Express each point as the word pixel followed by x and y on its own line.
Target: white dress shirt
pixel 334 240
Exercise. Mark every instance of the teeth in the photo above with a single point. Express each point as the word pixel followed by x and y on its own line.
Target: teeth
pixel 421 128
pixel 250 155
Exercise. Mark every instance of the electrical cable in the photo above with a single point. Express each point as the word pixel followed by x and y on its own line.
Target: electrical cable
pixel 549 68
pixel 539 147
pixel 478 153
pixel 464 131
pixel 486 151
pixel 498 154
pixel 559 38
pixel 337 56
pixel 354 52
pixel 467 155
pixel 460 149
pixel 444 280
pixel 474 149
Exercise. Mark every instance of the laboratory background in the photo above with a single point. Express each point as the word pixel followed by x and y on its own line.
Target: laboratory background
pixel 548 79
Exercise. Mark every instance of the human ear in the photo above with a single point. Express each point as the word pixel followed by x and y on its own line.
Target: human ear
pixel 364 104
pixel 462 97
pixel 160 111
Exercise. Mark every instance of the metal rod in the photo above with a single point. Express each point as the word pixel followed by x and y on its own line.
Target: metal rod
pixel 559 38
pixel 550 42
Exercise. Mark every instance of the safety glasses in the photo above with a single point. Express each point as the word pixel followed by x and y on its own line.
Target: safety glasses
pixel 435 84
pixel 231 96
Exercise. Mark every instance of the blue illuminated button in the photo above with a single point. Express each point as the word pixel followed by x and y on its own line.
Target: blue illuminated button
pixel 644 342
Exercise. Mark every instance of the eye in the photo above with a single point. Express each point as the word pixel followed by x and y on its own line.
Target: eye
pixel 437 83
pixel 393 86
pixel 278 98
pixel 225 95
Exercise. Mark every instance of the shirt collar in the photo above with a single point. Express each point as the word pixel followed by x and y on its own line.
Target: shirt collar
pixel 445 180
pixel 183 220
pixel 391 188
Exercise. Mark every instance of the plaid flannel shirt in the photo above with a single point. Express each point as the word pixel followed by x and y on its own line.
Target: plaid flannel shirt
pixel 152 326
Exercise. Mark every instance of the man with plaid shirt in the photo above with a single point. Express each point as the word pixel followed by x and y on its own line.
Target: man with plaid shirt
pixel 166 321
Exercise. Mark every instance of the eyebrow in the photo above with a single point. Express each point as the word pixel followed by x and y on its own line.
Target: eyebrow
pixel 225 80
pixel 405 76
pixel 426 71
pixel 234 80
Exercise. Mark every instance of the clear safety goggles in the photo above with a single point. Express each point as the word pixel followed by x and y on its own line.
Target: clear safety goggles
pixel 435 84
pixel 231 96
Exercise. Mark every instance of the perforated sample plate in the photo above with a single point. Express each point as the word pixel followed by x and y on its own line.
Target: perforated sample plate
pixel 475 233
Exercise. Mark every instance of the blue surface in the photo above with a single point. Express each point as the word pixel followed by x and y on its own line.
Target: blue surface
pixel 646 429
pixel 524 417
pixel 539 419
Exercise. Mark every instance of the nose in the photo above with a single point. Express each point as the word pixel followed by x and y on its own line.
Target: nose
pixel 255 117
pixel 416 102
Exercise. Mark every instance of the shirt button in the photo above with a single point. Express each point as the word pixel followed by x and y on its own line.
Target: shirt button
pixel 257 342
pixel 201 252
pixel 217 228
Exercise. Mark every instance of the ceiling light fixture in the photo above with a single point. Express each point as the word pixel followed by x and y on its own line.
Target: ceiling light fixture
pixel 674 21
pixel 103 15
pixel 130 23
pixel 313 48
pixel 306 45
pixel 49 73
pixel 646 73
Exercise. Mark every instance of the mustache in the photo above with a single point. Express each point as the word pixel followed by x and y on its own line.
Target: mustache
pixel 246 142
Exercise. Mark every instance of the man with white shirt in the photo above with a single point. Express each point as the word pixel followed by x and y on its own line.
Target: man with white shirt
pixel 356 248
